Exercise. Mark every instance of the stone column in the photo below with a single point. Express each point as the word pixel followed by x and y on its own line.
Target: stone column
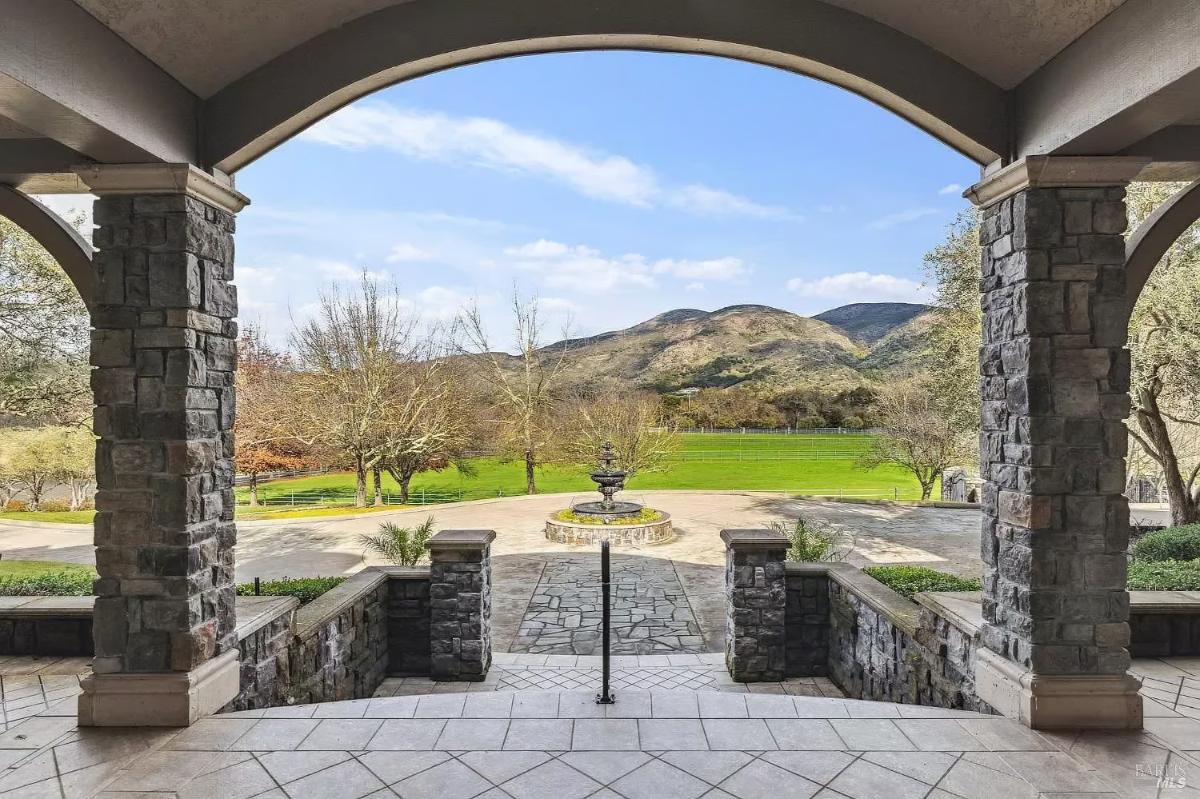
pixel 460 604
pixel 1055 383
pixel 164 352
pixel 755 605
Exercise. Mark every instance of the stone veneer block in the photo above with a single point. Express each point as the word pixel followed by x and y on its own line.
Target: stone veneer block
pixel 756 605
pixel 460 602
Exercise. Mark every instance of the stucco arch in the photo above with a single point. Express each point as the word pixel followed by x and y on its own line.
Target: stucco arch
pixel 59 238
pixel 1150 242
pixel 290 92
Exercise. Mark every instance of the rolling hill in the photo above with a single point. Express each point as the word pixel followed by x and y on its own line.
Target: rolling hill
pixel 754 345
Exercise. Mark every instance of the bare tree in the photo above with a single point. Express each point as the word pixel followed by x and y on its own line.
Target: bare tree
pixel 266 435
pixel 524 389
pixel 635 423
pixel 430 424
pixel 1164 342
pixel 348 357
pixel 916 434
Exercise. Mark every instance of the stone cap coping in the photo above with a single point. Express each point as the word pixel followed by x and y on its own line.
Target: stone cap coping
pixel 899 611
pixel 47 606
pixel 754 539
pixel 256 612
pixel 1164 602
pixel 326 607
pixel 461 539
pixel 404 572
pixel 962 609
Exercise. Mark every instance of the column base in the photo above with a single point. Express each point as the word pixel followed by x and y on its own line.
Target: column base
pixel 160 699
pixel 1053 702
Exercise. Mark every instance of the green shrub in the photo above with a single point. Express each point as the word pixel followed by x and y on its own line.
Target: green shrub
pixel 1174 543
pixel 67 582
pixel 813 542
pixel 1164 575
pixel 644 516
pixel 909 580
pixel 403 546
pixel 306 589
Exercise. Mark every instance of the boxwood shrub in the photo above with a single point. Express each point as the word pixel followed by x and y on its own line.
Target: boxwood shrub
pixel 909 580
pixel 1164 575
pixel 67 582
pixel 306 589
pixel 1173 543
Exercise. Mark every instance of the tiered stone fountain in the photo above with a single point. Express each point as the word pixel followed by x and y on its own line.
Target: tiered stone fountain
pixel 620 523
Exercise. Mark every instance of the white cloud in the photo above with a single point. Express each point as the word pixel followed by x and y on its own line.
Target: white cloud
pixel 492 144
pixel 344 272
pixel 694 288
pixel 257 276
pixel 541 248
pixel 705 201
pixel 584 268
pixel 557 305
pixel 951 188
pixel 713 269
pixel 407 253
pixel 861 287
pixel 901 217
pixel 441 302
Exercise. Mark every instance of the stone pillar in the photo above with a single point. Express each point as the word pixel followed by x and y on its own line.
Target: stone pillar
pixel 1055 383
pixel 755 605
pixel 164 352
pixel 460 604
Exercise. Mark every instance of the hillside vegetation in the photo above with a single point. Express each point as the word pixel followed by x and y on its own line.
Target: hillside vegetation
pixel 754 346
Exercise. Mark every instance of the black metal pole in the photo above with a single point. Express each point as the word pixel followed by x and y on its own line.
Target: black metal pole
pixel 257 587
pixel 605 697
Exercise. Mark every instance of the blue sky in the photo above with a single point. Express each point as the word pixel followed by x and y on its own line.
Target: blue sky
pixel 614 185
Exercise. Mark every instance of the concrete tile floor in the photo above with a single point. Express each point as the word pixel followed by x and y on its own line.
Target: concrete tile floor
pixel 655 743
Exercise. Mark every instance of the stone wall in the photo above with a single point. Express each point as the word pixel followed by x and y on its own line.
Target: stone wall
pixel 876 644
pixel 50 637
pixel 341 645
pixel 408 622
pixel 807 642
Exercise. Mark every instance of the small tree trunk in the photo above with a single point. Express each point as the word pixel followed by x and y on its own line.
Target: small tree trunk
pixel 377 477
pixel 1183 506
pixel 530 483
pixel 404 481
pixel 360 482
pixel 254 489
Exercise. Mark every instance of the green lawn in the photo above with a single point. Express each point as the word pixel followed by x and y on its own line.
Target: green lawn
pixel 27 568
pixel 60 517
pixel 800 464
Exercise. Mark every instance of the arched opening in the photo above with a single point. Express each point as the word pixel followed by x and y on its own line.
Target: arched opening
pixel 285 95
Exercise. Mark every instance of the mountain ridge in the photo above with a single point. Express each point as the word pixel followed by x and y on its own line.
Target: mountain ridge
pixel 758 346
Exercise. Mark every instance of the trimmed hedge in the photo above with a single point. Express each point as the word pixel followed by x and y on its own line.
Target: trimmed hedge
pixel 1164 575
pixel 68 582
pixel 1173 543
pixel 909 580
pixel 306 589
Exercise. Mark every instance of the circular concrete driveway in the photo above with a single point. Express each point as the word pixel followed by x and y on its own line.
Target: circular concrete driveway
pixel 541 588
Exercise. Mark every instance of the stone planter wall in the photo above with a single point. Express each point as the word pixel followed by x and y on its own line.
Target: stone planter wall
pixel 629 535
pixel 408 621
pixel 50 625
pixel 874 643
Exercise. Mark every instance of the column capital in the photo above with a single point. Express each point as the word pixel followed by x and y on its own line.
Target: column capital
pixel 746 539
pixel 1055 171
pixel 107 179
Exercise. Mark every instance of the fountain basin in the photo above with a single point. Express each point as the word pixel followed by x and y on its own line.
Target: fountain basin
pixel 638 533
